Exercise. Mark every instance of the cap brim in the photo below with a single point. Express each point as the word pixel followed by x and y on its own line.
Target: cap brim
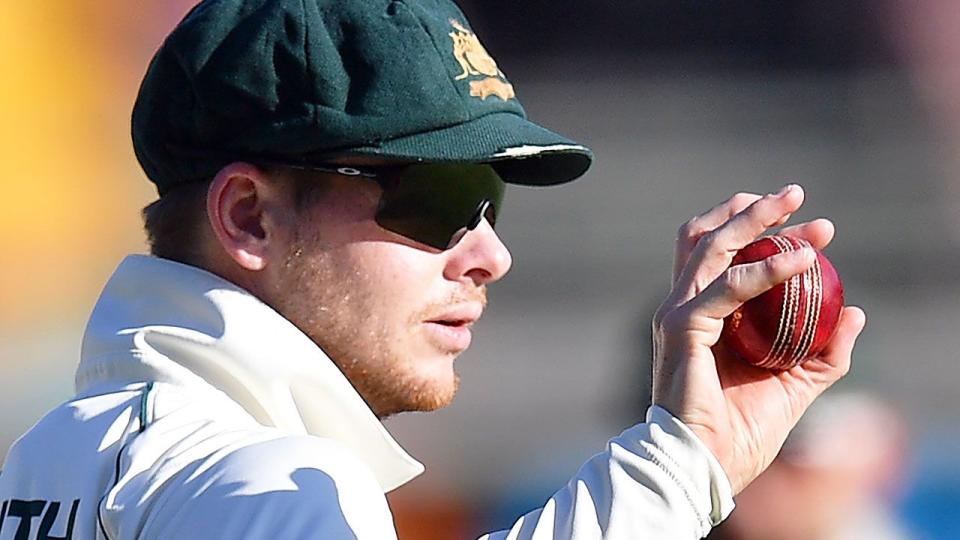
pixel 522 152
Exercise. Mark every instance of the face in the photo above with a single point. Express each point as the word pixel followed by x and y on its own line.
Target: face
pixel 392 313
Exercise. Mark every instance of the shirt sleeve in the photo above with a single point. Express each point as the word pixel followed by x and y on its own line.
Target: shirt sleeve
pixel 657 480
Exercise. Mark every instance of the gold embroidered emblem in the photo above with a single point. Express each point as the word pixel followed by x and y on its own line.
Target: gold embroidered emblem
pixel 491 87
pixel 476 61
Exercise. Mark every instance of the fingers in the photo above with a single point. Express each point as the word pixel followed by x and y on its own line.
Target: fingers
pixel 745 281
pixel 691 231
pixel 818 232
pixel 839 350
pixel 713 252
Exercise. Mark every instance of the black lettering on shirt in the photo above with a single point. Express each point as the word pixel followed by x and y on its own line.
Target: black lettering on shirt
pixel 25 511
pixel 50 516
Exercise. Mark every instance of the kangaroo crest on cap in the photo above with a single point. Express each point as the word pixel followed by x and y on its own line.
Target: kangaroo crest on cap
pixel 476 61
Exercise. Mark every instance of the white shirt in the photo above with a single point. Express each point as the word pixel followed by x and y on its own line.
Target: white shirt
pixel 202 413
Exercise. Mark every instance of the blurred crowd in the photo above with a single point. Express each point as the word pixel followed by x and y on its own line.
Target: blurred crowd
pixel 839 477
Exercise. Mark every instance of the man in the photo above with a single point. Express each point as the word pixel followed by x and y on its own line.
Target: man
pixel 330 175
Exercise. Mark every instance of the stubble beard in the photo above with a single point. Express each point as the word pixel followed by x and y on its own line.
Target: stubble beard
pixel 343 318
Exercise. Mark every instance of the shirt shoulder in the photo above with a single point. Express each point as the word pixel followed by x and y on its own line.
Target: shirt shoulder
pixel 202 467
pixel 290 486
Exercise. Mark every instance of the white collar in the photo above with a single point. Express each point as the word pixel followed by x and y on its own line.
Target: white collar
pixel 164 321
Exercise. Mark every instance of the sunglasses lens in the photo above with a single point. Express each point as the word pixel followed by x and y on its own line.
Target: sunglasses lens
pixel 436 204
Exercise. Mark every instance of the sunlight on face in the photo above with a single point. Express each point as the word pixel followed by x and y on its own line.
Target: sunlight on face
pixel 388 312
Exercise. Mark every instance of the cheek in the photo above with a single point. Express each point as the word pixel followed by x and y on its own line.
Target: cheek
pixel 381 282
pixel 399 281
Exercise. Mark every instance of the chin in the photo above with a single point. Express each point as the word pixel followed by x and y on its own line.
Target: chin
pixel 418 394
pixel 435 390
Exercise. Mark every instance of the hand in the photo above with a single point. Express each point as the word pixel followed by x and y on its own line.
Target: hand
pixel 741 412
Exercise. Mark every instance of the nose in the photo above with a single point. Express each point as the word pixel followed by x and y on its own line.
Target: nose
pixel 480 256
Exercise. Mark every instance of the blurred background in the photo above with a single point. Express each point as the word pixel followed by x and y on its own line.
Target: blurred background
pixel 684 102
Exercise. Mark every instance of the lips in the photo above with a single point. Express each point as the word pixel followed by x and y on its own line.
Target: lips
pixel 450 330
pixel 461 315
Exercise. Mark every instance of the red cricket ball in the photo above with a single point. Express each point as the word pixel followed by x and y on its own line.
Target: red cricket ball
pixel 791 322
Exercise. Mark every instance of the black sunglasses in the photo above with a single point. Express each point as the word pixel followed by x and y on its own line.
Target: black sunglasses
pixel 433 203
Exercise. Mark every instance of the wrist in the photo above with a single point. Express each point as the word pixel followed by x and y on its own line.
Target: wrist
pixel 705 470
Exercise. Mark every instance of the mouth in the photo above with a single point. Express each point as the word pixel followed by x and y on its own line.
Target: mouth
pixel 460 316
pixel 453 323
pixel 450 330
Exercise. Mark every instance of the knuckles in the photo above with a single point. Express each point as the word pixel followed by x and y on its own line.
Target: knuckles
pixel 775 267
pixel 743 199
pixel 673 320
pixel 695 233
pixel 711 244
pixel 731 282
pixel 691 231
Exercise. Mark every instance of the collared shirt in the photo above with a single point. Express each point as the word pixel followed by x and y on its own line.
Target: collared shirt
pixel 202 413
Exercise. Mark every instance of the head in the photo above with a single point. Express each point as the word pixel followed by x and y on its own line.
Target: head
pixel 391 312
pixel 240 82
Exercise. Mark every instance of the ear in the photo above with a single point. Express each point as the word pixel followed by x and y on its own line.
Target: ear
pixel 240 205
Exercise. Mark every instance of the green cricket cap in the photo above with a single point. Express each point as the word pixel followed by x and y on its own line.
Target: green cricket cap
pixel 311 80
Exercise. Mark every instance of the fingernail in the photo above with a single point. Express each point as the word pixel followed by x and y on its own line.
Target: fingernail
pixel 786 189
